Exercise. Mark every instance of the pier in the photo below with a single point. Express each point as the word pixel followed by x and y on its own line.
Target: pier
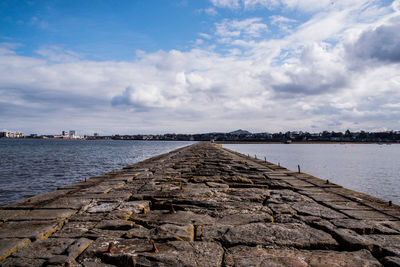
pixel 201 205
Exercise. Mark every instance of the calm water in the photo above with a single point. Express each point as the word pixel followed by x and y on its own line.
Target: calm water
pixel 31 167
pixel 369 168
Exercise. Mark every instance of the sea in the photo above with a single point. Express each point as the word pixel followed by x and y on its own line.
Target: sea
pixel 373 169
pixel 33 166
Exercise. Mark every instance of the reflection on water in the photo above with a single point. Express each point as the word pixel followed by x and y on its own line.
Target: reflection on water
pixel 30 167
pixel 369 168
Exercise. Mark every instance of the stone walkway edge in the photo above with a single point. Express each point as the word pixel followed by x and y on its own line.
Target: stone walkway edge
pixel 201 205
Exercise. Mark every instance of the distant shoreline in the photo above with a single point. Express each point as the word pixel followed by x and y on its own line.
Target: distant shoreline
pixel 303 142
pixel 217 142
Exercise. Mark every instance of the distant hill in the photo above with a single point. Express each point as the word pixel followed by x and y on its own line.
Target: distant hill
pixel 239 132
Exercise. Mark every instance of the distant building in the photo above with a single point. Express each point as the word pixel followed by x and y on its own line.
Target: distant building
pixel 12 135
pixel 72 133
pixel 96 134
pixel 64 133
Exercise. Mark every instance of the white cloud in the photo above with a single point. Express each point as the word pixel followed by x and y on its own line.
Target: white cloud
pixel 284 23
pixel 211 11
pixel 226 3
pixel 252 27
pixel 301 5
pixel 205 35
pixel 251 4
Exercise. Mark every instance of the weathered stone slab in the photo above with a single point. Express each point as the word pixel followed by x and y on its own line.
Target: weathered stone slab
pixel 105 245
pixel 115 225
pixel 34 201
pixel 251 256
pixel 346 205
pixel 175 253
pixel 45 249
pixel 6 215
pixel 164 232
pixel 10 245
pixel 74 229
pixel 71 202
pixel 315 209
pixel 135 206
pixel 351 240
pixel 45 214
pixel 22 262
pixel 244 218
pixel 78 247
pixel 103 207
pixel 29 229
pixel 179 217
pixel 367 214
pixel 364 227
pixel 290 234
pixel 386 241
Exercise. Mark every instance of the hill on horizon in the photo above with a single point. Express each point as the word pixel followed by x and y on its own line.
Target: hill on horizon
pixel 240 132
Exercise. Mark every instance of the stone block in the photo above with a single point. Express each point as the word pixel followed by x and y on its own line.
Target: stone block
pixel 45 249
pixel 251 256
pixel 315 209
pixel 11 245
pixel 45 214
pixel 267 234
pixel 22 262
pixel 29 229
pixel 156 217
pixel 6 215
pixel 78 247
pixel 103 207
pixel 135 206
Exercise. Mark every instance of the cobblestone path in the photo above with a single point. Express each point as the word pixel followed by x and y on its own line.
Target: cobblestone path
pixel 201 205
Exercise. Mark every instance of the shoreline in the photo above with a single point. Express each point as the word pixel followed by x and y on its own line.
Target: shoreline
pixel 217 142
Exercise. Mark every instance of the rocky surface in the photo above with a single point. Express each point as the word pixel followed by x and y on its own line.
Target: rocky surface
pixel 201 205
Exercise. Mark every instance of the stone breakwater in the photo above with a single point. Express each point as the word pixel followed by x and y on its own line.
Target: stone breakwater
pixel 201 205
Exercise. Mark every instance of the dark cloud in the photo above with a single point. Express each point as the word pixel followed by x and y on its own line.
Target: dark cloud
pixel 310 84
pixel 381 43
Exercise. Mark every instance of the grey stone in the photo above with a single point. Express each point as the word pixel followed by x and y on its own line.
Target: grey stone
pixel 29 229
pixel 45 249
pixel 22 262
pixel 45 214
pixel 103 207
pixel 290 234
pixel 10 245
pixel 251 256
pixel 315 209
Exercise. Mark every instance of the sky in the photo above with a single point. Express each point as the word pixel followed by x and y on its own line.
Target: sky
pixel 196 66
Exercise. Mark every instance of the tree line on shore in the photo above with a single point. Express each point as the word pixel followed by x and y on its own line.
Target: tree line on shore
pixel 287 137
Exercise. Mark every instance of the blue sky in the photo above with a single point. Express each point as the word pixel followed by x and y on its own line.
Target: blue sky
pixel 196 66
pixel 114 30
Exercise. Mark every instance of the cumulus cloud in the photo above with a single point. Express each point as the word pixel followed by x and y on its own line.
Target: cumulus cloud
pixel 319 71
pixel 381 43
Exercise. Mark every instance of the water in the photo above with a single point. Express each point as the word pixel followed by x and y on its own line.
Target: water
pixel 30 167
pixel 369 168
